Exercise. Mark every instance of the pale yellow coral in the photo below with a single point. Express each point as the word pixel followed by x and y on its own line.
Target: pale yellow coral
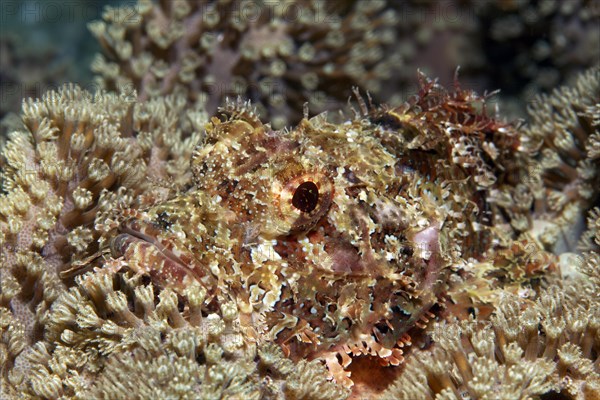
pixel 562 139
pixel 71 163
pixel 208 51
pixel 99 333
pixel 83 163
pixel 527 350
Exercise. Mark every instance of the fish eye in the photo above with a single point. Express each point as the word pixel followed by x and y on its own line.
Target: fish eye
pixel 300 197
pixel 306 197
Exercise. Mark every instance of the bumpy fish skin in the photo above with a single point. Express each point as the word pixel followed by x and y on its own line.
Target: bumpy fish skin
pixel 333 240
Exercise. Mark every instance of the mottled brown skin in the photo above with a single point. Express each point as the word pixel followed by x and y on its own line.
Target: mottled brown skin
pixel 333 240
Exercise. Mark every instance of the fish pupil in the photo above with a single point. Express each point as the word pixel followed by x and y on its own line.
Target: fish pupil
pixel 306 197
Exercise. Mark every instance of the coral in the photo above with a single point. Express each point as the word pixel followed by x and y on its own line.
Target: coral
pixel 77 159
pixel 527 350
pixel 589 246
pixel 435 37
pixel 523 47
pixel 221 258
pixel 279 55
pixel 113 336
pixel 531 47
pixel 590 240
pixel 592 113
pixel 556 179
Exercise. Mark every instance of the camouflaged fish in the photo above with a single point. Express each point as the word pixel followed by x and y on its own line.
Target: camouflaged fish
pixel 334 240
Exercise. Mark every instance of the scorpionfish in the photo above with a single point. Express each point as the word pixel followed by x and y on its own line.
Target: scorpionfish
pixel 334 240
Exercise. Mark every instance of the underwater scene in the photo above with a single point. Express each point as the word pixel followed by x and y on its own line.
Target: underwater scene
pixel 300 199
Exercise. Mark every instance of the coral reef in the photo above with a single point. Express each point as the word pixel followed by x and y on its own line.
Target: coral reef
pixel 111 326
pixel 42 47
pixel 528 350
pixel 158 241
pixel 222 258
pixel 279 55
pixel 76 159
pixel 532 47
pixel 561 174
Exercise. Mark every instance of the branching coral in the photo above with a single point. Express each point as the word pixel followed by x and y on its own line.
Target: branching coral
pixel 528 350
pixel 529 47
pixel 114 336
pixel 77 159
pixel 279 55
pixel 559 175
pixel 187 262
